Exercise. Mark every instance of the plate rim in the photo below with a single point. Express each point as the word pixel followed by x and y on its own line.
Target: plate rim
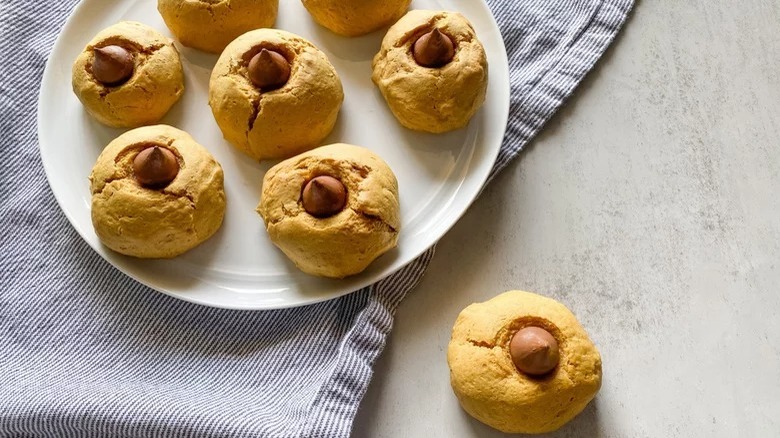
pixel 47 80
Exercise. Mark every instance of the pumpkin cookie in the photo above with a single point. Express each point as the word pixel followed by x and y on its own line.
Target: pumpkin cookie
pixel 332 210
pixel 355 17
pixel 129 75
pixel 432 71
pixel 210 25
pixel 156 193
pixel 521 363
pixel 274 94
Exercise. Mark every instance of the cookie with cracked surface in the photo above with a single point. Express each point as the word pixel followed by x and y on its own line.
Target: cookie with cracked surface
pixel 156 193
pixel 355 17
pixel 332 210
pixel 522 363
pixel 129 75
pixel 282 117
pixel 432 70
pixel 210 25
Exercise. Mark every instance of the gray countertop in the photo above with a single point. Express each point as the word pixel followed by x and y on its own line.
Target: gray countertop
pixel 650 206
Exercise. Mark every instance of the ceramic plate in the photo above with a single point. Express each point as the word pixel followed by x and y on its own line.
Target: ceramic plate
pixel 439 175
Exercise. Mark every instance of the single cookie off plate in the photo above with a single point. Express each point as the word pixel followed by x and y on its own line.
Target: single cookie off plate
pixel 239 267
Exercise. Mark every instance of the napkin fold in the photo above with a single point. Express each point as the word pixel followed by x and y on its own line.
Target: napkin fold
pixel 85 351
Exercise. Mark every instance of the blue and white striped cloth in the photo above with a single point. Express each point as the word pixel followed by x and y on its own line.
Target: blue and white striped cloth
pixel 85 351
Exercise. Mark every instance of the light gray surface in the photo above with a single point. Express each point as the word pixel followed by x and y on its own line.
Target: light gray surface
pixel 650 206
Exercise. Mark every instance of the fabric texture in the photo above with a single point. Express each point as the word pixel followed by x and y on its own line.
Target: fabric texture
pixel 85 351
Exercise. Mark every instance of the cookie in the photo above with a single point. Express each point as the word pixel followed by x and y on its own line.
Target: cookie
pixel 432 71
pixel 274 95
pixel 355 17
pixel 156 193
pixel 521 363
pixel 210 25
pixel 129 75
pixel 332 210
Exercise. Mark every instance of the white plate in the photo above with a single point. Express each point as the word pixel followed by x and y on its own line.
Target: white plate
pixel 439 175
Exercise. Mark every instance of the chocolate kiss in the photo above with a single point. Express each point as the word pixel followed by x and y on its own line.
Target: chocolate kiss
pixel 434 49
pixel 268 70
pixel 113 65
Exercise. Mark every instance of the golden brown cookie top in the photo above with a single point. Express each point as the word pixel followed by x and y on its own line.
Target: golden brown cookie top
pixel 355 17
pixel 120 161
pixel 121 52
pixel 494 388
pixel 370 187
pixel 398 46
pixel 128 75
pixel 274 94
pixel 211 25
pixel 432 71
pixel 332 210
pixel 491 325
pixel 156 193
pixel 304 61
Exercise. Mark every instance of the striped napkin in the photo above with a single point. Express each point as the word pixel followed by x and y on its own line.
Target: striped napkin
pixel 87 352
